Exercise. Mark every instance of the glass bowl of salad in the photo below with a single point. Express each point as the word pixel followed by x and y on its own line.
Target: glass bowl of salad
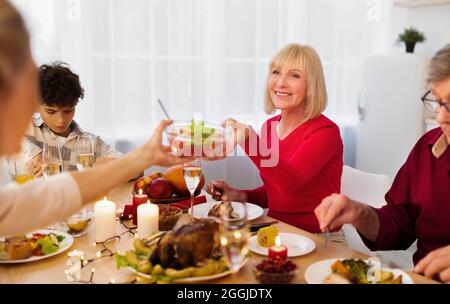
pixel 197 138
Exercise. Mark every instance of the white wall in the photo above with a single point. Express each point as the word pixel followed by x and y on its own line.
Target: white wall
pixel 433 20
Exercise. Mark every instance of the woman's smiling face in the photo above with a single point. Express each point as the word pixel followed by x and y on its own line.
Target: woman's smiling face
pixel 288 87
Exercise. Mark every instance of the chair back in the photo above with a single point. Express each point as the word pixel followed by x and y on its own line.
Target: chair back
pixel 365 188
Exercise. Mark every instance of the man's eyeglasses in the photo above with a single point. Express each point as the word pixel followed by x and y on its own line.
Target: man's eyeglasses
pixel 431 102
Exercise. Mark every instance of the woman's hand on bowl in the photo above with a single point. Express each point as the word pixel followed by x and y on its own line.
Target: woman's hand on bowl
pixel 158 154
pixel 240 131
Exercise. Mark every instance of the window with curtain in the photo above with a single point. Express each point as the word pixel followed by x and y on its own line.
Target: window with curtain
pixel 197 55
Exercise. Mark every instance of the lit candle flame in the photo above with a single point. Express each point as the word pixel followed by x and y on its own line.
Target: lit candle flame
pixel 104 198
pixel 140 191
pixel 223 241
pixel 237 234
pixel 277 241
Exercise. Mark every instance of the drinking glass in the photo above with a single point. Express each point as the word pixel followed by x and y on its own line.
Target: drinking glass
pixel 51 157
pixel 85 152
pixel 192 172
pixel 234 234
pixel 20 170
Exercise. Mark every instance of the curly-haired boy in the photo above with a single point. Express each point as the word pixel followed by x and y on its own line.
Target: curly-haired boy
pixel 61 91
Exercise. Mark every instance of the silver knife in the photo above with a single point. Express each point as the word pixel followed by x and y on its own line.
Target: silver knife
pixel 256 227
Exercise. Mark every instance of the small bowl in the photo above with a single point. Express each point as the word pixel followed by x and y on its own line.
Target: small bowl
pixel 211 142
pixel 79 222
pixel 265 277
pixel 168 216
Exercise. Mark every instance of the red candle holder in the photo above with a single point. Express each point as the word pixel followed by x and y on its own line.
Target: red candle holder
pixel 278 251
pixel 137 200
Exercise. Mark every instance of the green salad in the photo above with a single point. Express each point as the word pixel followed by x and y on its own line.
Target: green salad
pixel 43 244
pixel 197 132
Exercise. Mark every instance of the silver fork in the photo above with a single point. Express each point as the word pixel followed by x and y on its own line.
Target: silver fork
pixel 327 236
pixel 164 109
pixel 154 238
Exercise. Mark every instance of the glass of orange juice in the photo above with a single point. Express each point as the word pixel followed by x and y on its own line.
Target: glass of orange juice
pixel 21 170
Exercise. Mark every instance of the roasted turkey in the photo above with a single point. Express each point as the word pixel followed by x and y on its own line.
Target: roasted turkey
pixel 188 245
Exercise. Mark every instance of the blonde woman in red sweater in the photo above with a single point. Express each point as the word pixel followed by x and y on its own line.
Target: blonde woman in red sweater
pixel 299 152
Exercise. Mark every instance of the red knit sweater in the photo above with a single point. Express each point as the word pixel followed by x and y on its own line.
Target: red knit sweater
pixel 309 168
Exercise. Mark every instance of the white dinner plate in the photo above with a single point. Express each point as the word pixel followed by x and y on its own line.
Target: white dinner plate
pixel 192 279
pixel 297 245
pixel 63 246
pixel 202 210
pixel 317 272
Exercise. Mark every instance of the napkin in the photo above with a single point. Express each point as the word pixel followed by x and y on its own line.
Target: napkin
pixel 127 211
pixel 187 203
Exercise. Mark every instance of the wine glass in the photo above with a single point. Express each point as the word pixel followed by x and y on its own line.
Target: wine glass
pixel 234 233
pixel 192 172
pixel 85 152
pixel 51 157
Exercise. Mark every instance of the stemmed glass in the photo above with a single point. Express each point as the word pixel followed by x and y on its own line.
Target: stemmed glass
pixel 192 172
pixel 234 233
pixel 85 152
pixel 51 157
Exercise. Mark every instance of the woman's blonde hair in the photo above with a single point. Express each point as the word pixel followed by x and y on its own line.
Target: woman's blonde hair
pixel 305 59
pixel 14 44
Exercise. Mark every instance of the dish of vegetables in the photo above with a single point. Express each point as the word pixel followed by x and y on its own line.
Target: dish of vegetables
pixel 38 245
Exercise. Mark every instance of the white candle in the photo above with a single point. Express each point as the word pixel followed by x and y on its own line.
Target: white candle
pixel 148 215
pixel 198 117
pixel 105 220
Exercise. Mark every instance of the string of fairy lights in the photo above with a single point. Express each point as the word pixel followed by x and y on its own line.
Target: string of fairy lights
pixel 104 252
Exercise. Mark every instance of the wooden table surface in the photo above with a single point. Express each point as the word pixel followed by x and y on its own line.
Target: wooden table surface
pixel 51 270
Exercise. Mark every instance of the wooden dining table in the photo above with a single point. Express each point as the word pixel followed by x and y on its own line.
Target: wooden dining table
pixel 52 270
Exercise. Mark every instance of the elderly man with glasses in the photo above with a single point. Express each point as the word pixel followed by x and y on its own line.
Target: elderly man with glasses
pixel 418 203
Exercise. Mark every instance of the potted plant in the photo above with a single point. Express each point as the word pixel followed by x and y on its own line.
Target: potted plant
pixel 411 36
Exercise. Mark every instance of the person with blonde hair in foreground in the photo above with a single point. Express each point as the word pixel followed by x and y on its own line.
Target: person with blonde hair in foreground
pixel 42 202
pixel 306 145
